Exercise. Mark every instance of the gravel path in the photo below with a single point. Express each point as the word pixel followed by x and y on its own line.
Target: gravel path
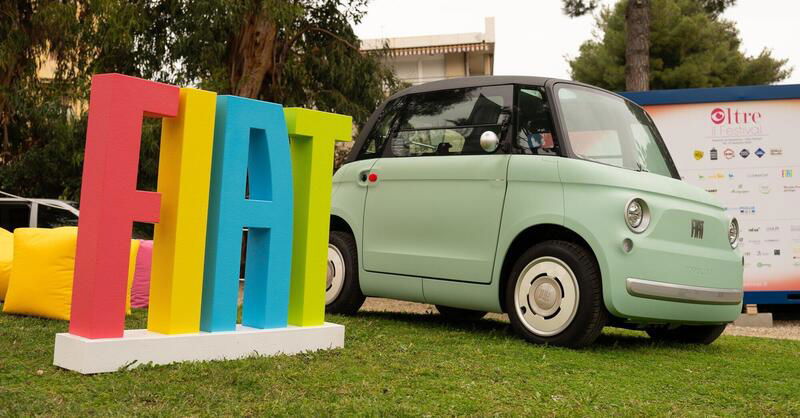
pixel 784 330
pixel 787 330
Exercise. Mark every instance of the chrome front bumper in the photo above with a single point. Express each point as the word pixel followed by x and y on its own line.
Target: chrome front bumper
pixel 683 293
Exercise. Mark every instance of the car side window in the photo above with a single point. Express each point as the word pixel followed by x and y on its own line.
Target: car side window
pixel 50 217
pixel 450 122
pixel 534 131
pixel 380 131
pixel 14 215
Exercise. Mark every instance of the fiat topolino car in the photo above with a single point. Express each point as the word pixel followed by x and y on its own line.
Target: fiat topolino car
pixel 552 201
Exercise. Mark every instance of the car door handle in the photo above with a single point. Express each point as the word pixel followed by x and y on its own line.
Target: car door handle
pixel 363 178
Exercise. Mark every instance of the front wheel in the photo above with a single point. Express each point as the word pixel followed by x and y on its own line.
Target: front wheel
pixel 554 295
pixel 342 291
pixel 687 334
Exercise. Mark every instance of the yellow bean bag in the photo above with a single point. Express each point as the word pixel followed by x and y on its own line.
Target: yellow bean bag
pixel 6 256
pixel 135 243
pixel 41 275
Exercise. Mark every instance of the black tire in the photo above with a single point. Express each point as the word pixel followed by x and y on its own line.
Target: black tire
pixel 350 298
pixel 458 314
pixel 590 315
pixel 687 334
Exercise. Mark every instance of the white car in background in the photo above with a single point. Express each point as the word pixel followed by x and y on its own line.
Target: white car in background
pixel 18 212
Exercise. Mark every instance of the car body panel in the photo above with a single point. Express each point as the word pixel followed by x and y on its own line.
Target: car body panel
pixel 391 286
pixel 435 216
pixel 664 252
pixel 475 296
pixel 349 196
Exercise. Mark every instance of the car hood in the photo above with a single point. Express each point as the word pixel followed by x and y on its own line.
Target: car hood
pixel 588 172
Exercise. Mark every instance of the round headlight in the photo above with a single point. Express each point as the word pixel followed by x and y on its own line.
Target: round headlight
pixel 637 215
pixel 733 233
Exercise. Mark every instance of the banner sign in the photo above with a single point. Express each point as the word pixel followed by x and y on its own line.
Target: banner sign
pixel 741 144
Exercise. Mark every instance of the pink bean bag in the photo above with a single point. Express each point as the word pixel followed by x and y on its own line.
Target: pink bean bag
pixel 140 291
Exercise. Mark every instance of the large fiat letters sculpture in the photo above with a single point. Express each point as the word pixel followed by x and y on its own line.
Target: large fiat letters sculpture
pixel 211 148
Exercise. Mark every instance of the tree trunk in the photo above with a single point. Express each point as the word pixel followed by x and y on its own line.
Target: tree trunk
pixel 252 54
pixel 637 45
pixel 5 149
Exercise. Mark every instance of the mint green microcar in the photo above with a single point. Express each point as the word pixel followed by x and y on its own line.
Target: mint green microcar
pixel 552 201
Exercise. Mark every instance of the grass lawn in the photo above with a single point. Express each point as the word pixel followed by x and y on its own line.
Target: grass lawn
pixel 413 364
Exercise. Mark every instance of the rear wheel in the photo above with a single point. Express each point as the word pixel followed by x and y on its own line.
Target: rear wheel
pixel 342 291
pixel 458 314
pixel 687 334
pixel 554 295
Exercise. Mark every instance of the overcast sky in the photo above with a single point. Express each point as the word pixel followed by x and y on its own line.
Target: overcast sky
pixel 533 36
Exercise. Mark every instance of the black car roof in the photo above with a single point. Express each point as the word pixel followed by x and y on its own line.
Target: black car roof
pixel 475 81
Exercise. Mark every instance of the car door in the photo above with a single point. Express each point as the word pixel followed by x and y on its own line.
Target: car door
pixel 435 199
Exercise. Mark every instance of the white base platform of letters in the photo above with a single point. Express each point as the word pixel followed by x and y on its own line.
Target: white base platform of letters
pixel 140 347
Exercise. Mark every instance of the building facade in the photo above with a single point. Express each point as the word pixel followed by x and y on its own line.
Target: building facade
pixel 421 59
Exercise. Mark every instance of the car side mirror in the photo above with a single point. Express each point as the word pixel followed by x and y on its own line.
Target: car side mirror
pixel 489 141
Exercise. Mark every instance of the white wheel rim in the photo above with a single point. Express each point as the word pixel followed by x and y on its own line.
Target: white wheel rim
pixel 336 271
pixel 546 296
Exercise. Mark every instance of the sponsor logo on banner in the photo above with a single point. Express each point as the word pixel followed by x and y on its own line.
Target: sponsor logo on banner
pixel 764 189
pixel 717 116
pixel 760 153
pixel 715 176
pixel 734 116
pixel 729 153
pixel 790 189
pixel 759 174
pixel 786 173
pixel 698 155
pixel 711 190
pixel 713 154
pixel 754 229
pixel 731 122
pixel 744 153
pixel 747 210
pixel 773 228
pixel 740 189
pixel 776 151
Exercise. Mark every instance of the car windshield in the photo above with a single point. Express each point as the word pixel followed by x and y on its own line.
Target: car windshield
pixel 608 129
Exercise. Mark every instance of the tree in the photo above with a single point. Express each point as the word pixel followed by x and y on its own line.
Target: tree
pixel 42 113
pixel 294 52
pixel 28 31
pixel 689 46
pixel 637 33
